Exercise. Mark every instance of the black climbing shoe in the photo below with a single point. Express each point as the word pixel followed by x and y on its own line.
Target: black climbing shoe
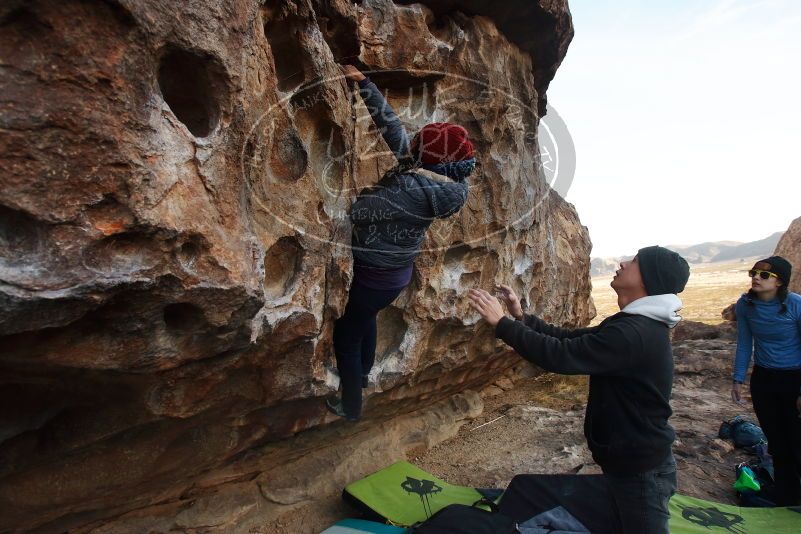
pixel 334 406
pixel 365 381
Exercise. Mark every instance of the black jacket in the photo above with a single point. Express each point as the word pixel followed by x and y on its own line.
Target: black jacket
pixel 390 219
pixel 630 363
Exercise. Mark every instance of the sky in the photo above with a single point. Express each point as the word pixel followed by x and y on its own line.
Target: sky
pixel 686 118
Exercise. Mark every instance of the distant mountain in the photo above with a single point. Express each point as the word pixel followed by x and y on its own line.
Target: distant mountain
pixel 705 252
pixel 711 252
pixel 763 247
pixel 604 266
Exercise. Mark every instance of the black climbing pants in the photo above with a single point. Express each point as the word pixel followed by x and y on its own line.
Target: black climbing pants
pixel 355 339
pixel 774 393
pixel 642 499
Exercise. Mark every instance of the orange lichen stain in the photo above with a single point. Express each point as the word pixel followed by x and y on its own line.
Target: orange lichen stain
pixel 110 227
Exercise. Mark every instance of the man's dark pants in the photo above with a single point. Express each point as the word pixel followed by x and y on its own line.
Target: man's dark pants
pixel 642 499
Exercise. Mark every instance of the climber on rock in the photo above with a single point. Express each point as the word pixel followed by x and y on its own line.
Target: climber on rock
pixel 630 362
pixel 390 220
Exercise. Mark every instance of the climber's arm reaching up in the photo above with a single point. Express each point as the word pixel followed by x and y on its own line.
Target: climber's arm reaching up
pixel 383 115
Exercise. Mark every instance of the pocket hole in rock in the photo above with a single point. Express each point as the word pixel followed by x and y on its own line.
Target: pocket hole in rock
pixel 187 254
pixel 21 236
pixel 439 26
pixel 183 316
pixel 341 33
pixel 456 253
pixel 291 60
pixel 288 159
pixel 190 85
pixel 325 145
pixel 281 265
pixel 123 253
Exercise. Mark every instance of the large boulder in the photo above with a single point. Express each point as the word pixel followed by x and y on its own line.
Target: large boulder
pixel 175 179
pixel 789 247
pixel 694 330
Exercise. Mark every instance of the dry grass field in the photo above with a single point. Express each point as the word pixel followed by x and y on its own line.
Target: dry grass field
pixel 712 287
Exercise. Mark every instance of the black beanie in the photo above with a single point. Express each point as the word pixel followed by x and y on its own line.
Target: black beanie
pixel 663 271
pixel 780 267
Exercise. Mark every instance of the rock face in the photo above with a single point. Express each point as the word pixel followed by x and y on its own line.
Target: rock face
pixel 693 330
pixel 175 179
pixel 789 247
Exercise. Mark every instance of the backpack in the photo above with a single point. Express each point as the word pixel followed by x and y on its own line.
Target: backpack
pixel 744 433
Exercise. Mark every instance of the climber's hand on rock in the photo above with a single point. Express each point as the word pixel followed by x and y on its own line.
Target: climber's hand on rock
pixel 488 306
pixel 352 73
pixel 510 298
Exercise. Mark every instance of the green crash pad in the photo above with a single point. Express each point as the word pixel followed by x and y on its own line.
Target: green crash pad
pixel 695 516
pixel 403 494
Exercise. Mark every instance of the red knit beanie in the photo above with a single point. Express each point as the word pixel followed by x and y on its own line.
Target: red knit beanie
pixel 442 142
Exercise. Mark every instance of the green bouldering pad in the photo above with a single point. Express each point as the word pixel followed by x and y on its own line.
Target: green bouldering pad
pixel 689 515
pixel 403 494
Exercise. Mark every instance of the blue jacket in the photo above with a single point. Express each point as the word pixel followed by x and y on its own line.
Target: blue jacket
pixel 773 338
pixel 390 219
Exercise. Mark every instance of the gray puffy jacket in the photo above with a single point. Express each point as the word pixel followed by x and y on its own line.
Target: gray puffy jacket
pixel 390 219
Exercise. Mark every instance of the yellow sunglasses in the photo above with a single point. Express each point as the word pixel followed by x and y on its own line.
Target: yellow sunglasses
pixel 762 274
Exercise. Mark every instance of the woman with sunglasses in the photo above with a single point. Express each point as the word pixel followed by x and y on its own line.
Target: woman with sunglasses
pixel 769 328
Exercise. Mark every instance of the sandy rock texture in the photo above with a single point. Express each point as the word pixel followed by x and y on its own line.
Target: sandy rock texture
pixel 175 179
pixel 789 247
